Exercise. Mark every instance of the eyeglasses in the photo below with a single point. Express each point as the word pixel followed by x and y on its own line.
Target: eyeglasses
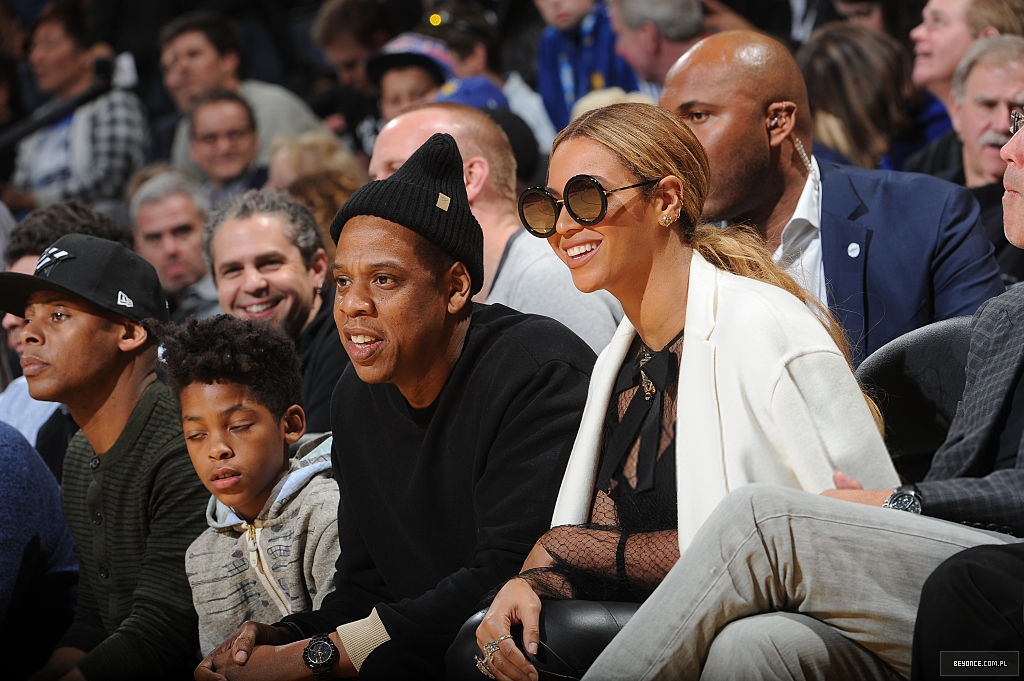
pixel 583 196
pixel 1016 120
pixel 233 136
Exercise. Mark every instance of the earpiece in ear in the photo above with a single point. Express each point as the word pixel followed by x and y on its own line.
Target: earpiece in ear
pixel 773 123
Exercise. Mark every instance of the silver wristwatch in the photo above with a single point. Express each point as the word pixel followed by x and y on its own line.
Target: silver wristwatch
pixel 904 498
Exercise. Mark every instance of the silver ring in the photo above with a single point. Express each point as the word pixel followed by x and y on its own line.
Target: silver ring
pixel 481 664
pixel 494 646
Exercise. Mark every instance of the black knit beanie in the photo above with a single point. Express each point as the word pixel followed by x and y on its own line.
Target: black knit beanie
pixel 427 195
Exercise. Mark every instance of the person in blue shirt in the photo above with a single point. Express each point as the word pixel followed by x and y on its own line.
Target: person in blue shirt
pixel 577 55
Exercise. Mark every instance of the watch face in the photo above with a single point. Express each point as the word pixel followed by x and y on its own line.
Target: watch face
pixel 320 655
pixel 319 652
pixel 906 502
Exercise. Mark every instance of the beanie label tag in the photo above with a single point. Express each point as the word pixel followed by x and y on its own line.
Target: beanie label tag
pixel 443 201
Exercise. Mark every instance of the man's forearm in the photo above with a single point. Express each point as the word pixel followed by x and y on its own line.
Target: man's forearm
pixel 284 663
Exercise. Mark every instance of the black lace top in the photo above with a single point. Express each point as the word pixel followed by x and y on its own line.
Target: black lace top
pixel 630 541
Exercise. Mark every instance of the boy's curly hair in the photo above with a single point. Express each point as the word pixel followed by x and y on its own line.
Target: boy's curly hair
pixel 223 349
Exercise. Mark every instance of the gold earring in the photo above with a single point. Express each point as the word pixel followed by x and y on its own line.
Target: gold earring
pixel 665 220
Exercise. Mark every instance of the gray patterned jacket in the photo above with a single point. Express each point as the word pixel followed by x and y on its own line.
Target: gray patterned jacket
pixel 961 484
pixel 281 563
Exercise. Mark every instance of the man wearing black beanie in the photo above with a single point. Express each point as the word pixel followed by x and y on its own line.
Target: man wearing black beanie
pixel 451 437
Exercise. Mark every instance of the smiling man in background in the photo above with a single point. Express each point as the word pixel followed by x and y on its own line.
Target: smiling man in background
pixel 269 264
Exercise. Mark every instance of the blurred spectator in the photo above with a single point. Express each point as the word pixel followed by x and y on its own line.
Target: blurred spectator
pixel 225 145
pixel 90 152
pixel 473 38
pixel 894 18
pixel 987 85
pixel 294 157
pixel 38 571
pixel 12 33
pixel 324 192
pixel 168 212
pixel 860 91
pixel 127 31
pixel 11 110
pixel 349 32
pixel 577 55
pixel 199 54
pixel 652 34
pixel 143 175
pixel 948 28
pixel 409 70
pixel 790 21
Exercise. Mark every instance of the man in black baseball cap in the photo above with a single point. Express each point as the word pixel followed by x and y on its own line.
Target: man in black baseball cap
pixel 451 437
pixel 130 494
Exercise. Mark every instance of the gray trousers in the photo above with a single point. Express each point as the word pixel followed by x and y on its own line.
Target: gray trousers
pixel 783 584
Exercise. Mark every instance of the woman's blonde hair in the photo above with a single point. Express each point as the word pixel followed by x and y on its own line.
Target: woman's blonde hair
pixel 316 150
pixel 652 142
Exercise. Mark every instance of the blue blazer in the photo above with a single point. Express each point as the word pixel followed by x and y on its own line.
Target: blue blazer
pixel 900 250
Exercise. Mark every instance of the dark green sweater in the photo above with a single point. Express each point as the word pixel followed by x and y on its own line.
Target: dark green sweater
pixel 133 512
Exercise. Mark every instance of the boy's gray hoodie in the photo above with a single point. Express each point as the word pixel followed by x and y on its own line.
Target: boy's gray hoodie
pixel 282 562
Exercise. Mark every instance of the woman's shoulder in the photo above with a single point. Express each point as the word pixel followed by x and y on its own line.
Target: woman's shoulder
pixel 765 311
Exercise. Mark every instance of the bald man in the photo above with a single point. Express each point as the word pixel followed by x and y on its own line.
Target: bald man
pixel 887 252
pixel 520 271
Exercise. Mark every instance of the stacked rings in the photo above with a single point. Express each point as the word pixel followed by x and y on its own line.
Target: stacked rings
pixel 484 663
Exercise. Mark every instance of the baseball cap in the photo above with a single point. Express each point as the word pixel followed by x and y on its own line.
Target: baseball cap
pixel 412 49
pixel 479 92
pixel 102 272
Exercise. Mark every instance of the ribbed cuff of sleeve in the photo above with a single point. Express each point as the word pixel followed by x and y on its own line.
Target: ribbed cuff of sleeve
pixel 362 637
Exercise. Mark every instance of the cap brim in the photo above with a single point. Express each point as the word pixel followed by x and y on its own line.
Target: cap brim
pixel 16 288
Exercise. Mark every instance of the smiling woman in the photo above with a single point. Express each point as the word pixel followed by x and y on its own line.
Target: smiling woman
pixel 724 372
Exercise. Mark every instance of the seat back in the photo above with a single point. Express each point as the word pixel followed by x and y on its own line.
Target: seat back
pixel 917 381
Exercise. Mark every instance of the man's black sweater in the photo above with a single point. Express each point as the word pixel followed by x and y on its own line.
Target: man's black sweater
pixel 440 506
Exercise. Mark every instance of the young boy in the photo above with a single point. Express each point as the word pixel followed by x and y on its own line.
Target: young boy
pixel 273 535
pixel 576 55
pixel 409 70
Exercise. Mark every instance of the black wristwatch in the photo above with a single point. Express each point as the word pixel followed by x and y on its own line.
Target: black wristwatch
pixel 320 655
pixel 904 498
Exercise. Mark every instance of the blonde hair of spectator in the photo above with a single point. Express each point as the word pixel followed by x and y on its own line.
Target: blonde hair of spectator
pixel 610 95
pixel 316 150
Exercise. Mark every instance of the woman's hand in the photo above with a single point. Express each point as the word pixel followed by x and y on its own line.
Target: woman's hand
pixel 515 603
